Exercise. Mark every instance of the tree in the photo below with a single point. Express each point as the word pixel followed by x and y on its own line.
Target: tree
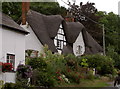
pixel 48 8
pixel 86 14
pixel 112 35
pixel 14 9
pixel 111 22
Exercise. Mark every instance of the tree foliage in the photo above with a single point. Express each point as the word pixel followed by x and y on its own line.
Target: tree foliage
pixel 112 35
pixel 48 8
pixel 86 14
pixel 14 9
pixel 92 19
pixel 103 64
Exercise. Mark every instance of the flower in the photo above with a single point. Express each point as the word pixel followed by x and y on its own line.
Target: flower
pixel 66 79
pixel 63 76
pixel 7 67
pixel 60 78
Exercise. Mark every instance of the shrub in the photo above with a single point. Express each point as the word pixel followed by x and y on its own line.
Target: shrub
pixel 114 55
pixel 84 63
pixel 90 75
pixel 38 63
pixel 8 86
pixel 72 61
pixel 103 64
pixel 45 79
pixel 73 76
pixel 17 85
pixel 24 71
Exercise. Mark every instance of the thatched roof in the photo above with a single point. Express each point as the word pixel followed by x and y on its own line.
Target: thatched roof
pixel 10 23
pixel 46 28
pixel 91 46
pixel 68 49
pixel 72 30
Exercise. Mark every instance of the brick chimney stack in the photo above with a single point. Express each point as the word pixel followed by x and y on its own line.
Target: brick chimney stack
pixel 25 9
pixel 69 17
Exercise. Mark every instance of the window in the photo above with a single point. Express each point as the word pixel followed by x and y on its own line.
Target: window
pixel 60 40
pixel 34 54
pixel 11 59
pixel 31 53
pixel 79 51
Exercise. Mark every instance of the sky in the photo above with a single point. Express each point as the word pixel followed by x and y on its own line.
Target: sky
pixel 101 5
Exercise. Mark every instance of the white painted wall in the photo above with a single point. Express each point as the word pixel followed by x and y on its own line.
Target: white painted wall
pixel 0 44
pixel 8 77
pixel 79 41
pixel 119 8
pixel 13 43
pixel 31 40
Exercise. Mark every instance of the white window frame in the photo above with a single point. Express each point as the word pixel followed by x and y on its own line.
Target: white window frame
pixel 79 49
pixel 13 64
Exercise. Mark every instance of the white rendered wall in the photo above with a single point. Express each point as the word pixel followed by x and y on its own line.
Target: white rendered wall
pixel 119 8
pixel 79 42
pixel 13 43
pixel 8 77
pixel 31 40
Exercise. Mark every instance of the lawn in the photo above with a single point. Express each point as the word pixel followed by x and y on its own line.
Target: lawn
pixel 89 84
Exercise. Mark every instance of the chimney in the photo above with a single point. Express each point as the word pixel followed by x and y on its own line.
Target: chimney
pixel 69 17
pixel 25 8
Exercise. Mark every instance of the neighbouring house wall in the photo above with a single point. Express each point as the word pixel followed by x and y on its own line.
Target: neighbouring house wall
pixel 0 44
pixel 119 8
pixel 31 40
pixel 14 43
pixel 79 42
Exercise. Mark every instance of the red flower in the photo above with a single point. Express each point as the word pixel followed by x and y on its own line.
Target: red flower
pixel 6 67
pixel 60 78
pixel 58 72
pixel 79 76
pixel 68 70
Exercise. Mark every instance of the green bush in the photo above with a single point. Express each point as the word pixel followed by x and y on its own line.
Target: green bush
pixel 72 61
pixel 53 69
pixel 90 75
pixel 8 86
pixel 46 66
pixel 38 63
pixel 114 55
pixel 103 64
pixel 73 76
pixel 17 85
pixel 45 79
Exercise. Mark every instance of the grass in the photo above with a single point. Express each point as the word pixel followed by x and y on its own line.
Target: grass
pixel 93 83
pixel 96 83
